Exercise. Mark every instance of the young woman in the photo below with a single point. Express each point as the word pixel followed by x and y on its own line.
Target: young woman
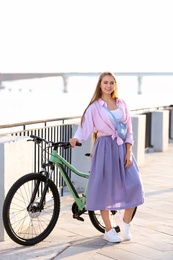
pixel 114 182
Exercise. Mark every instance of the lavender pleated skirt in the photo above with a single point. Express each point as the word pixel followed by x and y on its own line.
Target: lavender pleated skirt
pixel 111 185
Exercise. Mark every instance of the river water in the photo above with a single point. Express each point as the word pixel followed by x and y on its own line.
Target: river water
pixel 36 99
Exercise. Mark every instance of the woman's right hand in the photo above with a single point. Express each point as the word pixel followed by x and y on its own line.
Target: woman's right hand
pixel 73 141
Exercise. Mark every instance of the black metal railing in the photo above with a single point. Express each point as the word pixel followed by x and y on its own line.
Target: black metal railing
pixel 170 108
pixel 46 129
pixel 53 133
pixel 60 129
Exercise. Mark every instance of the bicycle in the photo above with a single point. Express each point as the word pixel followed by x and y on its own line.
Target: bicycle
pixel 32 205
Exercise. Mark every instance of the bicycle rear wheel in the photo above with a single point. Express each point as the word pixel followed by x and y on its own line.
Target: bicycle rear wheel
pixel 96 220
pixel 24 222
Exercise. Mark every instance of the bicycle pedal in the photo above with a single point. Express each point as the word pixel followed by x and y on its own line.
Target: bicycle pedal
pixel 117 229
pixel 78 218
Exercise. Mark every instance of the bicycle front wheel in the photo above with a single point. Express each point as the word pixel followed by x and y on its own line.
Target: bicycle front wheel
pixel 24 221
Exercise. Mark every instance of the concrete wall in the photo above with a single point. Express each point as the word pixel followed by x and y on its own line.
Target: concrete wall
pixel 16 159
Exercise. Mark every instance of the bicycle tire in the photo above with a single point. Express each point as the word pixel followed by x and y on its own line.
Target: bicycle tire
pixel 96 220
pixel 23 225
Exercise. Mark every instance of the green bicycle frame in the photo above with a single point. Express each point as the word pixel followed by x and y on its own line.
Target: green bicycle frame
pixel 60 162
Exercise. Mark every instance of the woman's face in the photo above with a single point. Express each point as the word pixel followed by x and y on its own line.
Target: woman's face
pixel 107 84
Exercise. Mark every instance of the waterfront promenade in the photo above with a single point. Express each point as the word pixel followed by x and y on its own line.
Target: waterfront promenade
pixel 152 226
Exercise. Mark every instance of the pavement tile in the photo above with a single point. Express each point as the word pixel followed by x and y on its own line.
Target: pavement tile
pixel 152 227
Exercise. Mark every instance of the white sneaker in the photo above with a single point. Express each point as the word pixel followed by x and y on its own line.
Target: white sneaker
pixel 125 229
pixel 112 236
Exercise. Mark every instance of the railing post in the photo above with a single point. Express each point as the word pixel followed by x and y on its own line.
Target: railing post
pixel 160 130
pixel 139 123
pixel 13 164
pixel 80 162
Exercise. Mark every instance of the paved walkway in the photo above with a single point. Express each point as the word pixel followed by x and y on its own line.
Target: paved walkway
pixel 152 225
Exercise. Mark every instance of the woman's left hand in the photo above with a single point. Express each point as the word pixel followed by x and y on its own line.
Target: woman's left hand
pixel 128 160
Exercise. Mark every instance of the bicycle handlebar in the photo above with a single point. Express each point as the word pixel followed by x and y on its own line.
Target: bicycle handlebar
pixel 39 140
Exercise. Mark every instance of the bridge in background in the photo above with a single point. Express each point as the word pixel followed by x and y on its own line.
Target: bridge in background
pixel 66 75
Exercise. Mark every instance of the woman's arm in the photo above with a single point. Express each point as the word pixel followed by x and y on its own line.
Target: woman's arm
pixel 128 155
pixel 85 130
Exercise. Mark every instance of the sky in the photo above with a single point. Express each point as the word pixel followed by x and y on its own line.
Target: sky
pixel 86 36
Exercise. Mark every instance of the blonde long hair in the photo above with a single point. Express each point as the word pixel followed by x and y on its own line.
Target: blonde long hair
pixel 97 94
